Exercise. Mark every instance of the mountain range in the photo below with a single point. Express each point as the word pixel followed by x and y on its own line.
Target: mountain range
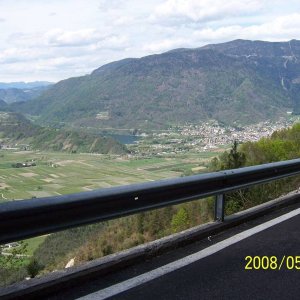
pixel 24 85
pixel 238 82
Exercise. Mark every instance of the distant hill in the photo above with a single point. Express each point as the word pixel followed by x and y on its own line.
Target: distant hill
pixel 24 85
pixel 22 91
pixel 15 128
pixel 12 95
pixel 3 105
pixel 238 82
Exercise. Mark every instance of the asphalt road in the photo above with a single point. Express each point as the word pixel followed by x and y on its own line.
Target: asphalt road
pixel 216 275
pixel 223 275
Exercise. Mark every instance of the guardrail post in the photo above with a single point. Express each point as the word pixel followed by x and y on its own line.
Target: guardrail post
pixel 219 207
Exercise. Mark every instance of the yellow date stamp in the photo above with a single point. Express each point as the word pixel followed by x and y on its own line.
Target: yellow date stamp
pixel 287 262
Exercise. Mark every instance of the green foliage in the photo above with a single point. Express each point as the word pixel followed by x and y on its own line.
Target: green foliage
pixel 12 264
pixel 180 220
pixel 15 257
pixel 9 276
pixel 232 160
pixel 33 268
pixel 90 242
pixel 58 247
pixel 282 145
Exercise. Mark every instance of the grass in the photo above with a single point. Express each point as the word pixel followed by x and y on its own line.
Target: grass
pixel 33 244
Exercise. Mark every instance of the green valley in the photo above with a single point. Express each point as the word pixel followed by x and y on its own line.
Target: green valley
pixel 185 108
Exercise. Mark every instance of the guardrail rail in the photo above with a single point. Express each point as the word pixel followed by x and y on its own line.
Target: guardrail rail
pixel 33 217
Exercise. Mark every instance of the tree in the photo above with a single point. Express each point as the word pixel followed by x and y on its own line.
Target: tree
pixel 233 160
pixel 33 268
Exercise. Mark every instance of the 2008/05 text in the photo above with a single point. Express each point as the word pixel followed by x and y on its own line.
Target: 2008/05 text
pixel 287 262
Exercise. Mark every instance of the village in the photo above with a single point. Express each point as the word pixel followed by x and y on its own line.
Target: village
pixel 212 135
pixel 206 137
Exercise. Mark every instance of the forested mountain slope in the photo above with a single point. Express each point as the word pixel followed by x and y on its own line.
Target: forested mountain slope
pixel 238 82
pixel 16 129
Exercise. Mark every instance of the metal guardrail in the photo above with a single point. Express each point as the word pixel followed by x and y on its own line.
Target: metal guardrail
pixel 33 217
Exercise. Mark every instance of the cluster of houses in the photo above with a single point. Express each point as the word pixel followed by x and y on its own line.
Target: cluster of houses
pixel 208 136
pixel 213 135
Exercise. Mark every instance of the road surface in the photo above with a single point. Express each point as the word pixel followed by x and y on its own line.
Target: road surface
pixel 215 267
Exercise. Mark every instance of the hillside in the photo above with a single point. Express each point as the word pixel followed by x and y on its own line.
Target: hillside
pixel 16 129
pixel 11 95
pixel 3 105
pixel 238 82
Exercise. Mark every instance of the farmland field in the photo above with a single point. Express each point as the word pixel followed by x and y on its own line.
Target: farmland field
pixel 62 173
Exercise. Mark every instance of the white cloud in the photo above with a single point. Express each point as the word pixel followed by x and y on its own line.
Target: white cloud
pixel 15 55
pixel 63 38
pixel 113 42
pixel 110 4
pixel 165 45
pixel 205 10
pixel 123 20
pixel 59 39
pixel 281 28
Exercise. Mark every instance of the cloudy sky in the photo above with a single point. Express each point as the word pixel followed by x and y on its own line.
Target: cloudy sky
pixel 56 39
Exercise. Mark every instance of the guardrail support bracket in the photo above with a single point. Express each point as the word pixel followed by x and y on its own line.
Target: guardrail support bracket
pixel 219 207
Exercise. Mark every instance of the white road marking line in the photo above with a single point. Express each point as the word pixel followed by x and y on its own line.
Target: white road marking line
pixel 146 277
